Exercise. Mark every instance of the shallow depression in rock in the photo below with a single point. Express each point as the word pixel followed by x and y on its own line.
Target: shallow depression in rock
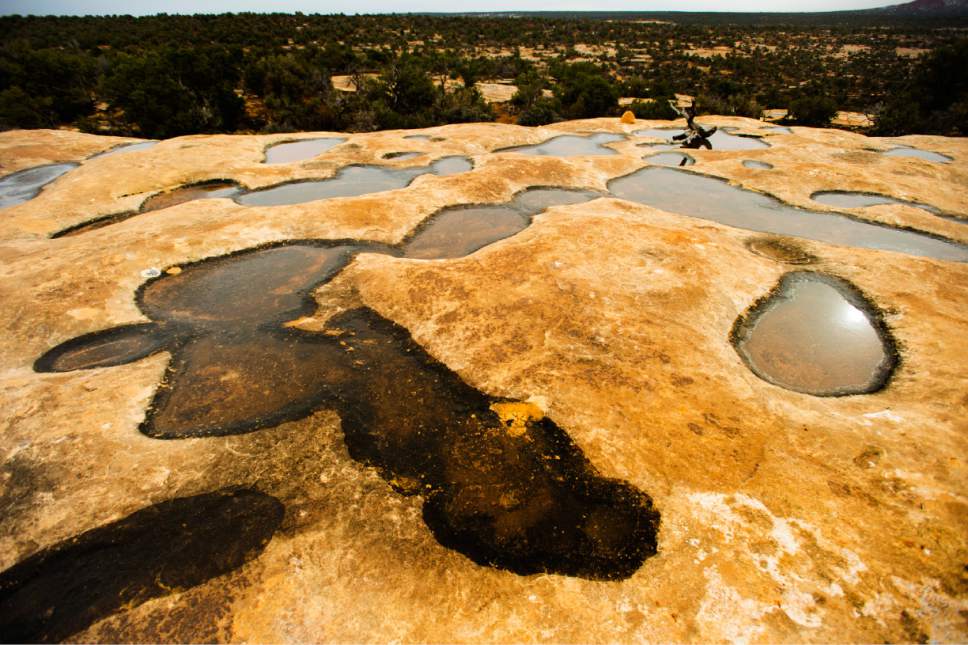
pixel 857 199
pixel 671 159
pixel 125 148
pixel 351 182
pixel 570 145
pixel 710 198
pixel 816 334
pixel 918 154
pixel 720 140
pixel 291 151
pixel 459 230
pixel 758 165
pixel 19 187
pixel 210 190
pixel 207 190
pixel 723 140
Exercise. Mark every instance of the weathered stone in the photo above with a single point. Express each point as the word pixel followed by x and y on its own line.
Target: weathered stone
pixel 784 516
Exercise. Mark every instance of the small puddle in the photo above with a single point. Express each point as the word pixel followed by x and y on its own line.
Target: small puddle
pixel 291 151
pixel 816 334
pixel 658 133
pixel 570 145
pixel 723 140
pixel 720 140
pixel 501 483
pixel 670 159
pixel 165 548
pixel 208 190
pixel 24 185
pixel 419 137
pixel 927 155
pixel 350 181
pixel 710 198
pixel 778 129
pixel 759 165
pixel 857 199
pixel 126 147
pixel 460 230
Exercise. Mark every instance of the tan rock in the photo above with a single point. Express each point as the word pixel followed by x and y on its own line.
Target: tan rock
pixel 784 516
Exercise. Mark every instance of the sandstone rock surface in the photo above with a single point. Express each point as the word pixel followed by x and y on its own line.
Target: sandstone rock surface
pixel 784 516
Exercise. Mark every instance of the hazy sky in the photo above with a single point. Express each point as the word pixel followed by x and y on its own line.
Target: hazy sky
pixel 143 7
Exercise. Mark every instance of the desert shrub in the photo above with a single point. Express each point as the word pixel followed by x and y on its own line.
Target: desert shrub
pixel 584 90
pixel 655 109
pixel 933 99
pixel 176 91
pixel 815 110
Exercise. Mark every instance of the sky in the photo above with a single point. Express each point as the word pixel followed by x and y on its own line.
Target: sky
pixel 148 7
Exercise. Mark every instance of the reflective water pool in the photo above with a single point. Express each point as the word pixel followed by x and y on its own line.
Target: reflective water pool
pixel 720 140
pixel 856 199
pixel 350 182
pixel 670 159
pixel 19 187
pixel 459 230
pixel 570 145
pixel 710 198
pixel 814 335
pixel 927 155
pixel 291 151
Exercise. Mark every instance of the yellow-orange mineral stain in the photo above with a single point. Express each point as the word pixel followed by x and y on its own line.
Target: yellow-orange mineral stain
pixel 516 415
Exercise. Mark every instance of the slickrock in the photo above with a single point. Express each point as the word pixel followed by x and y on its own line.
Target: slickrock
pixel 782 516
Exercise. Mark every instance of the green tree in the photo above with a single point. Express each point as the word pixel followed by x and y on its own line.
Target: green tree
pixel 176 91
pixel 812 109
pixel 585 90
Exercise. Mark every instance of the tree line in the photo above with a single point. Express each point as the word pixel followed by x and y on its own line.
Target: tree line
pixel 164 76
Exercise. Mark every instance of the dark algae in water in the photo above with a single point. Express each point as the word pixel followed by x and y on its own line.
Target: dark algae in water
pixel 161 549
pixel 817 334
pixel 501 483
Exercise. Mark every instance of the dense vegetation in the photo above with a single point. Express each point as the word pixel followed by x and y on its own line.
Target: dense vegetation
pixel 164 76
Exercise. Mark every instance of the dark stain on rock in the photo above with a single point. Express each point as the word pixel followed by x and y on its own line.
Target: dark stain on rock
pixel 519 496
pixel 913 629
pixel 171 546
pixel 869 457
